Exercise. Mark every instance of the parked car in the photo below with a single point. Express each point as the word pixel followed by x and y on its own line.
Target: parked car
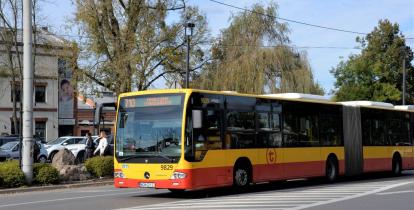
pixel 76 144
pixel 5 139
pixel 9 138
pixel 11 150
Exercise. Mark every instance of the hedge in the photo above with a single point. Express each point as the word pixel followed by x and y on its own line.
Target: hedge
pixel 100 166
pixel 45 174
pixel 10 174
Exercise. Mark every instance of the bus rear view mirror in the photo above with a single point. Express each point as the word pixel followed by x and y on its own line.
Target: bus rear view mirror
pixel 197 119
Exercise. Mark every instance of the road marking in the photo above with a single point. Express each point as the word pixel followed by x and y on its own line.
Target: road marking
pixel 352 196
pixel 96 191
pixel 395 192
pixel 283 199
pixel 64 199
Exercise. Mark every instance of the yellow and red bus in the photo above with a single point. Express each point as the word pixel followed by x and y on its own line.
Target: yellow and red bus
pixel 190 139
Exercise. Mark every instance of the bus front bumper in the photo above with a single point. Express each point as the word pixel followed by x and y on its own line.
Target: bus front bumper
pixel 158 184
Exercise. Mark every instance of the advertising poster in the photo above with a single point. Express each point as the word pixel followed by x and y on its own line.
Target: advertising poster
pixel 66 95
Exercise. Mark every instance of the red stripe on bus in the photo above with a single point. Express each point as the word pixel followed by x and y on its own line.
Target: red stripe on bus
pixel 201 178
pixel 408 162
pixel 377 164
pixel 385 164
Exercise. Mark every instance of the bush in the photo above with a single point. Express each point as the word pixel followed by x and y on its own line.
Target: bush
pixel 100 166
pixel 10 174
pixel 45 173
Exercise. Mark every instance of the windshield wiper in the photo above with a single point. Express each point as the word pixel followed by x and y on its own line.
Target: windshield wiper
pixel 147 156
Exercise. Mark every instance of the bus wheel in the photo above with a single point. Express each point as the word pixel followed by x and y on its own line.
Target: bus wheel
pixel 241 176
pixel 331 170
pixel 396 166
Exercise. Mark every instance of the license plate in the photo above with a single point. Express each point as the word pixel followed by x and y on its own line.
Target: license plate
pixel 147 185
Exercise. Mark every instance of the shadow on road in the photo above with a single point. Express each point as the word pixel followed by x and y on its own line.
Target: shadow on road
pixel 279 186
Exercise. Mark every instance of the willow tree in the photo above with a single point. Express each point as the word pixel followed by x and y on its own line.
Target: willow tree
pixel 252 56
pixel 129 44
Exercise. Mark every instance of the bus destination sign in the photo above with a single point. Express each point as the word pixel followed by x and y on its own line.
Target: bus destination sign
pixel 152 101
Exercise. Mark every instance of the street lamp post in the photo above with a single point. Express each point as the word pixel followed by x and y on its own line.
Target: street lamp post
pixel 404 82
pixel 404 78
pixel 27 147
pixel 188 39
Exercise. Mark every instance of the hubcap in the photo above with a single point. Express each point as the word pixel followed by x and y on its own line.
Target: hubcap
pixel 241 177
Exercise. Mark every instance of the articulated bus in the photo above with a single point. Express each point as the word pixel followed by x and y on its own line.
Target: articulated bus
pixel 190 139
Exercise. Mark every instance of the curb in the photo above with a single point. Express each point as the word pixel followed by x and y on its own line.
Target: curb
pixel 54 187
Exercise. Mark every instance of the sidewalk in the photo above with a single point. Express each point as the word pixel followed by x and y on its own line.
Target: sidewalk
pixel 87 183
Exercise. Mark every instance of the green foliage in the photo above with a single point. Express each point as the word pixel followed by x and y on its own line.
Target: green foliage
pixel 100 166
pixel 241 63
pixel 130 43
pixel 11 175
pixel 376 74
pixel 45 173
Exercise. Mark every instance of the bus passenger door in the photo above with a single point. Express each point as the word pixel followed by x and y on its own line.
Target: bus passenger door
pixel 302 155
pixel 269 140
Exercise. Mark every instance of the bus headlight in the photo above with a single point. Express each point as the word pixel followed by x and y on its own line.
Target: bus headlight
pixel 178 175
pixel 119 174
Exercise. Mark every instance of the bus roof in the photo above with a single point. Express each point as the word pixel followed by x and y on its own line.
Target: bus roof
pixel 367 103
pixel 299 96
pixel 283 96
pixel 405 107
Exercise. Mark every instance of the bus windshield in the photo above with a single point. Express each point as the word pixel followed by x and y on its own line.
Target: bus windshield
pixel 149 129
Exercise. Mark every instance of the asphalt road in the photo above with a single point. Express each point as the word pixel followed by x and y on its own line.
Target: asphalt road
pixel 373 191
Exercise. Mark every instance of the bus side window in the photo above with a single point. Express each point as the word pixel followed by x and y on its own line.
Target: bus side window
pixel 241 128
pixel 209 136
pixel 330 130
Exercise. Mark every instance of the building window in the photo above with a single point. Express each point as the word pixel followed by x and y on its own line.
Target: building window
pixel 40 93
pixel 40 129
pixel 17 91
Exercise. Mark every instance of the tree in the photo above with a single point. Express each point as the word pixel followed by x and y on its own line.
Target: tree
pixel 10 39
pixel 129 44
pixel 376 73
pixel 241 63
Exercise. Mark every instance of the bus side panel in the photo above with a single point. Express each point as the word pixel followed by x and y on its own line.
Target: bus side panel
pixel 407 156
pixel 211 177
pixel 216 169
pixel 302 162
pixel 377 158
pixel 269 166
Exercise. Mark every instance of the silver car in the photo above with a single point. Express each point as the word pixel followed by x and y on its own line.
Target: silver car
pixel 11 150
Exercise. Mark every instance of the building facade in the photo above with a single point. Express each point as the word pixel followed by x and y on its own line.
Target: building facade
pixel 86 114
pixel 48 70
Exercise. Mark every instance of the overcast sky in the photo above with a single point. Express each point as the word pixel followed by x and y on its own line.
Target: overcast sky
pixel 353 15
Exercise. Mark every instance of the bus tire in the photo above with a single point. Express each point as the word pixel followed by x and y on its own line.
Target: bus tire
pixel 242 175
pixel 331 171
pixel 396 165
